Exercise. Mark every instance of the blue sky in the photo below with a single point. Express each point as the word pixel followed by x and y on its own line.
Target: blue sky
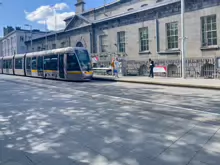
pixel 37 13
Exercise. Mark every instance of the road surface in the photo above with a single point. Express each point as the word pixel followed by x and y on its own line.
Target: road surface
pixel 46 122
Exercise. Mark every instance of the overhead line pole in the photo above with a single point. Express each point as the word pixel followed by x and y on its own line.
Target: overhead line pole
pixel 183 38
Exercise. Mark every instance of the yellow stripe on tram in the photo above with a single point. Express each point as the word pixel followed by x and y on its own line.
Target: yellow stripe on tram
pixel 50 71
pixel 74 72
pixel 34 71
pixel 89 73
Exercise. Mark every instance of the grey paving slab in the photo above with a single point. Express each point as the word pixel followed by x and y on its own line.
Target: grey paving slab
pixel 179 156
pixel 195 162
pixel 196 138
pixel 12 163
pixel 151 148
pixel 53 126
pixel 56 161
pixel 214 143
pixel 13 156
pixel 208 157
pixel 132 161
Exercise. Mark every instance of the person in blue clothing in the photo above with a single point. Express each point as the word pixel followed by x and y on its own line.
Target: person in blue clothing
pixel 151 68
pixel 117 67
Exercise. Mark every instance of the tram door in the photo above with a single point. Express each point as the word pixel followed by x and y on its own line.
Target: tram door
pixel 28 66
pixel 40 64
pixel 61 66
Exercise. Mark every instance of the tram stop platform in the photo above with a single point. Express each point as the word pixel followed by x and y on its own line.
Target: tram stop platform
pixel 213 84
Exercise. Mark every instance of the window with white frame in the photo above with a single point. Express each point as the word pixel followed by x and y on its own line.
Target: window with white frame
pixel 143 40
pixel 172 35
pixel 103 43
pixel 209 30
pixel 121 41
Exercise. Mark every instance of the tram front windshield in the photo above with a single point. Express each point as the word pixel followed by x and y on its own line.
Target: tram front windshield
pixel 84 59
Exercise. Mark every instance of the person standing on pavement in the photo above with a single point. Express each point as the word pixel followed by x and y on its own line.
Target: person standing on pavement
pixel 117 67
pixel 113 66
pixel 151 68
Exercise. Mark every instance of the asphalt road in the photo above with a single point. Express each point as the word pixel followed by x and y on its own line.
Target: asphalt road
pixel 47 122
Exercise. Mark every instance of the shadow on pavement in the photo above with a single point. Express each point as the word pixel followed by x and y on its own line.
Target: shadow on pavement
pixel 42 126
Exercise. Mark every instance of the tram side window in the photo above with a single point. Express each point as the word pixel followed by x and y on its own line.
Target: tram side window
pixel 40 63
pixel 72 63
pixel 34 63
pixel 4 64
pixel 28 63
pixel 18 63
pixel 9 64
pixel 51 62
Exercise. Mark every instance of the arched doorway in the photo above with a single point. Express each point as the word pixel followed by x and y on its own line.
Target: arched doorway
pixel 79 44
pixel 207 71
pixel 172 71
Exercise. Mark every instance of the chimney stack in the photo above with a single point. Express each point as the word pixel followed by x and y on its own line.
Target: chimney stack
pixel 80 6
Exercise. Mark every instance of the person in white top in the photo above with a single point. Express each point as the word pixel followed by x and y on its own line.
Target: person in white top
pixel 117 67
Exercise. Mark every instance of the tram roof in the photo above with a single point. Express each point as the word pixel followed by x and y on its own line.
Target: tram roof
pixel 8 57
pixel 19 55
pixel 54 51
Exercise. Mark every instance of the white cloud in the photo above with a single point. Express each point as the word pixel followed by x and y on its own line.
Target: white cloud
pixel 60 24
pixel 61 6
pixel 46 14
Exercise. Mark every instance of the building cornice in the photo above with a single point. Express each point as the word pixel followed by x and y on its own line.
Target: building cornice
pixel 94 9
pixel 154 6
pixel 20 30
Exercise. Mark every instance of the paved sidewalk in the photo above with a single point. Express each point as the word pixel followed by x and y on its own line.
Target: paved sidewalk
pixel 46 122
pixel 179 82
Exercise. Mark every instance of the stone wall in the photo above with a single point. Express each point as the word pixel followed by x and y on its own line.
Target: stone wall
pixel 194 67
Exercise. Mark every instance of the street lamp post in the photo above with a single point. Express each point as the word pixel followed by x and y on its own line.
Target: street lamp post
pixel 55 23
pixel 46 44
pixel 31 35
pixel 183 38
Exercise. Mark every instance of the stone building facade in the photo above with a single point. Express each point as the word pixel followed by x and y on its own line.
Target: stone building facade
pixel 14 41
pixel 137 30
pixel 1 52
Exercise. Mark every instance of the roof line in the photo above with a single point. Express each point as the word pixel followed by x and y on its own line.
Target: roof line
pixel 20 30
pixel 121 15
pixel 139 10
pixel 80 16
pixel 90 10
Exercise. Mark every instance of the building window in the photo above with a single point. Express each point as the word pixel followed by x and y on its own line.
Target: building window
pixel 172 35
pixel 103 43
pixel 209 30
pixel 121 41
pixel 53 46
pixel 144 42
pixel 62 45
pixel 21 38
